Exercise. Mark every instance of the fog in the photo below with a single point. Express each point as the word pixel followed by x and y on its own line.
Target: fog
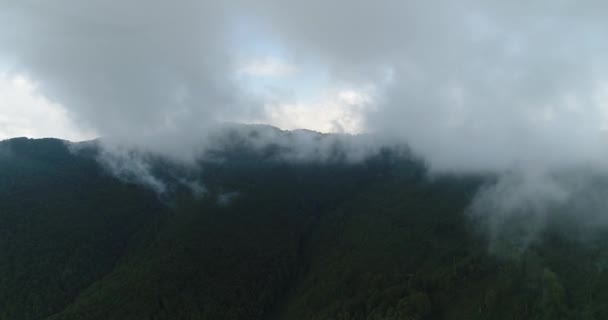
pixel 469 84
pixel 472 86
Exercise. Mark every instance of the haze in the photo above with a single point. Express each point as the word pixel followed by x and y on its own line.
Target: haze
pixel 470 85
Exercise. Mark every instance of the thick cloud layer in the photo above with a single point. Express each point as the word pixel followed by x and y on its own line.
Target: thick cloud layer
pixel 471 84
pixel 475 85
pixel 154 72
pixel 514 87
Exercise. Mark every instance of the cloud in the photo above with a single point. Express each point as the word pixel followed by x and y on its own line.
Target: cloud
pixel 149 73
pixel 517 88
pixel 25 112
pixel 340 111
pixel 267 67
pixel 516 209
pixel 131 166
pixel 470 85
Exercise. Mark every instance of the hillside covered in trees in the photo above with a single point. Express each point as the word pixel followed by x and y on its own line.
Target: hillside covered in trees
pixel 249 234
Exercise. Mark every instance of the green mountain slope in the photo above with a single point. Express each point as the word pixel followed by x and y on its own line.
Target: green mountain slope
pixel 274 239
pixel 63 224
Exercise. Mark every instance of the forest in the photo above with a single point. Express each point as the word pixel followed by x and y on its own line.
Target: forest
pixel 269 238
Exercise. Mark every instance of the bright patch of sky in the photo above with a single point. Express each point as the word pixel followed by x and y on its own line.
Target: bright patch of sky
pixel 296 94
pixel 24 112
pixel 338 111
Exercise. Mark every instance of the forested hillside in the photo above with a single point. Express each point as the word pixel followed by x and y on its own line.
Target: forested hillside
pixel 64 223
pixel 270 238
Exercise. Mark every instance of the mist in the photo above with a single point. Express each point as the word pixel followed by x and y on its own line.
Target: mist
pixel 518 89
pixel 470 86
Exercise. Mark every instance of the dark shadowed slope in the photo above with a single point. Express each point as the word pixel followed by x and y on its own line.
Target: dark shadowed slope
pixel 63 224
pixel 275 239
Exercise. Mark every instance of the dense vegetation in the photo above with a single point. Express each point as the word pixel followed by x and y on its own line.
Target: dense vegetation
pixel 274 239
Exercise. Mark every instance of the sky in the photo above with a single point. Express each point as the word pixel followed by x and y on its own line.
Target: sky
pixel 470 85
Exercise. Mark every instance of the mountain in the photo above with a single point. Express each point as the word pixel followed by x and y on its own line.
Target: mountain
pixel 253 234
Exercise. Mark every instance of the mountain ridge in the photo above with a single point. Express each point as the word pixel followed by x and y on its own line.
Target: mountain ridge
pixel 378 238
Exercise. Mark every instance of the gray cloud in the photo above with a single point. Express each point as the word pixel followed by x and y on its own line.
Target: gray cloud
pixel 515 211
pixel 469 84
pixel 152 73
pixel 517 88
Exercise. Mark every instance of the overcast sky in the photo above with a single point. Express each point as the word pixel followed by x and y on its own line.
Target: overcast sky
pixel 469 84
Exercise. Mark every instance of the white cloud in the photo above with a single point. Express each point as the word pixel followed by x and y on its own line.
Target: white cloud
pixel 25 112
pixel 339 111
pixel 469 85
pixel 267 67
